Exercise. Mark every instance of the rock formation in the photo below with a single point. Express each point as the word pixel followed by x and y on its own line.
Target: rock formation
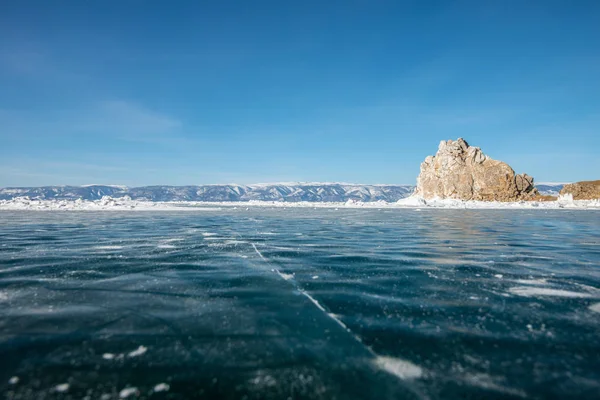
pixel 586 190
pixel 460 171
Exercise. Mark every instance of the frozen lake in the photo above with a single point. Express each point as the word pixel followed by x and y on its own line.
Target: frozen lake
pixel 300 303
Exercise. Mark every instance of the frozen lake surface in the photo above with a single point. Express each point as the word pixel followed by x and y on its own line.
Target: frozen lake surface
pixel 271 303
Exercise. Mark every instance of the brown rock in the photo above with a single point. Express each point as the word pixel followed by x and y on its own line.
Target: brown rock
pixel 460 171
pixel 585 190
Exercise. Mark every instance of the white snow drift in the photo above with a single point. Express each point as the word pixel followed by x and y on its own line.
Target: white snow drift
pixel 126 203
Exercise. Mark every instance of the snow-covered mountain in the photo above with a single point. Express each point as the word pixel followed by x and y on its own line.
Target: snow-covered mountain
pixel 289 192
pixel 549 189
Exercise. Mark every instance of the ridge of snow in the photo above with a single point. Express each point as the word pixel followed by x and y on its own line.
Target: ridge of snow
pixel 412 202
pixel 122 187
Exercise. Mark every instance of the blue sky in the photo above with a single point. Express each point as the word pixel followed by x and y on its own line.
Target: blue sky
pixel 190 92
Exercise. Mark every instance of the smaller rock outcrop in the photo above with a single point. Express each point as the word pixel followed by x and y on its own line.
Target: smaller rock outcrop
pixel 585 190
pixel 460 171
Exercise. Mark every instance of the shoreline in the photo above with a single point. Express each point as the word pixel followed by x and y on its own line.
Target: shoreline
pixel 412 202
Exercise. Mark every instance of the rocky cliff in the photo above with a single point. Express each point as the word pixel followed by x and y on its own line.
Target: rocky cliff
pixel 464 172
pixel 586 190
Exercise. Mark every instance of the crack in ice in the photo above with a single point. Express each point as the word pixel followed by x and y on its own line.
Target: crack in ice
pixel 401 369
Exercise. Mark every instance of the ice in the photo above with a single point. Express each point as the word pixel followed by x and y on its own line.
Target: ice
pixel 403 369
pixel 529 291
pixel 371 270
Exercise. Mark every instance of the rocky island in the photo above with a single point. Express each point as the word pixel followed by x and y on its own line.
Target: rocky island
pixel 463 172
pixel 585 190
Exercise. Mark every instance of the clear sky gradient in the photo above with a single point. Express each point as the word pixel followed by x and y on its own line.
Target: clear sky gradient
pixel 140 92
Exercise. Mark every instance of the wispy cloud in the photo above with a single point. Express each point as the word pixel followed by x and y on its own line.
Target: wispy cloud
pixel 131 122
pixel 117 120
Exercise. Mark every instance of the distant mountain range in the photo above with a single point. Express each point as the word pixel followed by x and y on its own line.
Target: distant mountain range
pixel 549 189
pixel 290 192
pixel 293 192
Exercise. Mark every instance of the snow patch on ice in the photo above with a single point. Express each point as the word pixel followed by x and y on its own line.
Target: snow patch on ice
pixel 487 382
pixel 263 380
pixel 62 388
pixel 137 352
pixel 595 307
pixel 162 387
pixel 528 291
pixel 403 369
pixel 107 248
pixel 130 391
pixel 534 282
pixel 285 276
